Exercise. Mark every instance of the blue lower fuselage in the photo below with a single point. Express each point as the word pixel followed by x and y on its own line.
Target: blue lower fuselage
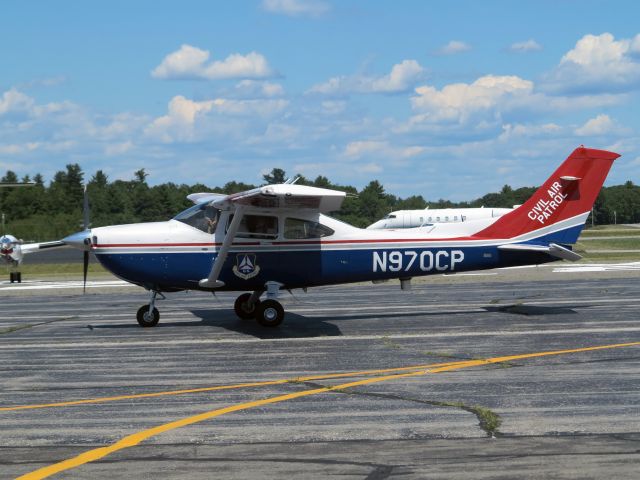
pixel 251 269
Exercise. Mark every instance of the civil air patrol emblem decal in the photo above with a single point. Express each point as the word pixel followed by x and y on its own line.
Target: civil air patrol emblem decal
pixel 246 266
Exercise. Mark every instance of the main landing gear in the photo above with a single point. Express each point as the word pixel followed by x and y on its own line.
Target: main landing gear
pixel 15 277
pixel 268 312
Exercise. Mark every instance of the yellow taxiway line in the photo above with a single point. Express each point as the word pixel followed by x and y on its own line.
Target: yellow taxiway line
pixel 136 438
pixel 223 387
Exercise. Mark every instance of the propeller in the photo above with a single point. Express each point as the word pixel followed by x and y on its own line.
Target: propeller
pixel 82 240
pixel 85 227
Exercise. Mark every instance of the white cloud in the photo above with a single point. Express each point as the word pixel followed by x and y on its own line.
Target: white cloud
pixel 527 46
pixel 184 116
pixel 380 149
pixel 599 125
pixel 253 88
pixel 453 47
pixel 15 101
pixel 403 77
pixel 457 102
pixel 514 131
pixel 598 63
pixel 297 8
pixel 192 63
pixel 118 148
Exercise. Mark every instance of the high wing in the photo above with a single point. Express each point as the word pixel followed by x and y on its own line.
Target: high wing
pixel 269 197
pixel 205 197
pixel 284 196
pixel 34 247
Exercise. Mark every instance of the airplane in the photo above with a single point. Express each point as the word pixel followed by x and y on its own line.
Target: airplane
pixel 279 237
pixel 418 218
pixel 13 250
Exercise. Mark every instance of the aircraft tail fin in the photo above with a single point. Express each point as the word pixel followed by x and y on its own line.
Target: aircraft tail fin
pixel 557 211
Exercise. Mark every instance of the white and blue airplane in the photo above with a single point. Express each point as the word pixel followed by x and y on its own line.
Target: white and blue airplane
pixel 279 237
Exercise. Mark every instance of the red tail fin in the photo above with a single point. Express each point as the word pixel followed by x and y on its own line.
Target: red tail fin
pixel 569 192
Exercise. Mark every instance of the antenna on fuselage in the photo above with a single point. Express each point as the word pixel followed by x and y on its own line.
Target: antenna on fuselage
pixel 291 180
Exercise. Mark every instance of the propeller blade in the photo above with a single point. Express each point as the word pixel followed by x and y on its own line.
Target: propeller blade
pixel 85 270
pixel 85 209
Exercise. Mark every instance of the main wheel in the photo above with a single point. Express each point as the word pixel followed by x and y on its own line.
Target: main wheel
pixel 19 277
pixel 12 277
pixel 147 318
pixel 269 313
pixel 242 308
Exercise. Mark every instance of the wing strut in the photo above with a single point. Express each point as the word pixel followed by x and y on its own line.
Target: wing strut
pixel 212 280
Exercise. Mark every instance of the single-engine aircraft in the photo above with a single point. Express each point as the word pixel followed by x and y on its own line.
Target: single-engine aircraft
pixel 278 237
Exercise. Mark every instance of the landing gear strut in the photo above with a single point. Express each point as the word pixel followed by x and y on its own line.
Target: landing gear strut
pixel 268 313
pixel 148 315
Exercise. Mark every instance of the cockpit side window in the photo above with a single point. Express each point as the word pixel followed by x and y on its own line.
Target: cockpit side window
pixel 204 217
pixel 257 226
pixel 296 228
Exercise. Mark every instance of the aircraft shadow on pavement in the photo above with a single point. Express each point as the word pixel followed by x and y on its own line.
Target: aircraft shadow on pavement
pixel 293 326
pixel 530 309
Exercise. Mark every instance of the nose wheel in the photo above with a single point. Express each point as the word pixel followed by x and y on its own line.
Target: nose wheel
pixel 148 315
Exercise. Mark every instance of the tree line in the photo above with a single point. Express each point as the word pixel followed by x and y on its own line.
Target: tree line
pixel 46 212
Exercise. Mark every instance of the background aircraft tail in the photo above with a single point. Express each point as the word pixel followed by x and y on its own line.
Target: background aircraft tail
pixel 559 208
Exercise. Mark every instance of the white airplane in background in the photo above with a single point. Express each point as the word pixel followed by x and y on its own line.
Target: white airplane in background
pixel 278 237
pixel 418 218
pixel 12 250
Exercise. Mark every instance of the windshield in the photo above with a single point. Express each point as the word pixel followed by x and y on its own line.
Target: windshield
pixel 204 217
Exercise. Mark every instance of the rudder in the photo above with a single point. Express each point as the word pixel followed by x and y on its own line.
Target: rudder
pixel 567 196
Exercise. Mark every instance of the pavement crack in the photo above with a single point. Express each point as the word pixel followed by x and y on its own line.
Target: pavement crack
pixel 488 420
pixel 17 328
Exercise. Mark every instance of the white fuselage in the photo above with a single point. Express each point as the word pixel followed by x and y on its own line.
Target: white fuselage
pixel 416 218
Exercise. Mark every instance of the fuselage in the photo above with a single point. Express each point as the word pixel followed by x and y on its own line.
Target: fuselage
pixel 299 249
pixel 417 218
pixel 10 250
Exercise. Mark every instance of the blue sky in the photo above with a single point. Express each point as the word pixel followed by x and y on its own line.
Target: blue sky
pixel 441 99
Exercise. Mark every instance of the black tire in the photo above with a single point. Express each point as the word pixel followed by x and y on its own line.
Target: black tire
pixel 269 313
pixel 148 319
pixel 19 277
pixel 242 309
pixel 12 277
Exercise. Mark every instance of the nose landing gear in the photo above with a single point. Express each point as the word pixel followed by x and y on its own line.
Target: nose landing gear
pixel 148 315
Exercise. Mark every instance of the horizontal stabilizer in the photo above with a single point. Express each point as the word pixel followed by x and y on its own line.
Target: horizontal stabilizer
pixel 552 249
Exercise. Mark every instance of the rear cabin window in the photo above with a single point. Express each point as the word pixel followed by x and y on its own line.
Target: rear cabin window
pixel 203 217
pixel 296 228
pixel 256 226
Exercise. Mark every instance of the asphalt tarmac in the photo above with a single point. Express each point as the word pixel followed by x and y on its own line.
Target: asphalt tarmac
pixel 275 407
